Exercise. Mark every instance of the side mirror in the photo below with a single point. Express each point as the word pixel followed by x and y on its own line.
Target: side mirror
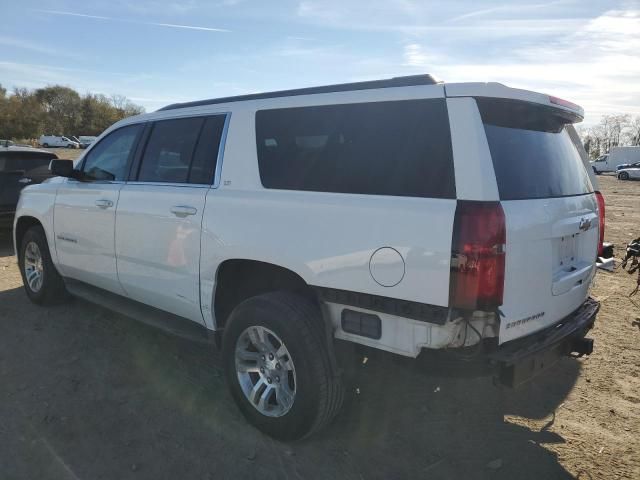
pixel 62 168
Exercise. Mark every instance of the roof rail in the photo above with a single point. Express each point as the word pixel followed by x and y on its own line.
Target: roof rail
pixel 406 81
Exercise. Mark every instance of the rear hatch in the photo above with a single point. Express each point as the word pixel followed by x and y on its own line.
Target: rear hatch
pixel 550 213
pixel 19 168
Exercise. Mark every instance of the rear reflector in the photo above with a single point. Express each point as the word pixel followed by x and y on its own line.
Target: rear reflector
pixel 600 200
pixel 477 256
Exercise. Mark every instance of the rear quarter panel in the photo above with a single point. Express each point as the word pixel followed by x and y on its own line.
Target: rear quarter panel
pixel 326 238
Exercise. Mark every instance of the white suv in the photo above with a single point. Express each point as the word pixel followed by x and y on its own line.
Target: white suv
pixel 400 214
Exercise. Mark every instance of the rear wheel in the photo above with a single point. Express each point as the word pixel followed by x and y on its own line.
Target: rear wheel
pixel 278 365
pixel 623 175
pixel 42 282
pixel 45 145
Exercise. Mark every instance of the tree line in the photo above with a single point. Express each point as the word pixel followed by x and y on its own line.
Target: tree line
pixel 612 131
pixel 58 110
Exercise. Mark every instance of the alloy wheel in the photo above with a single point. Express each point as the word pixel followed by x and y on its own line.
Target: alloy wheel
pixel 265 371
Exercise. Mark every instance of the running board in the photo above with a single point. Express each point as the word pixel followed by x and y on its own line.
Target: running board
pixel 154 317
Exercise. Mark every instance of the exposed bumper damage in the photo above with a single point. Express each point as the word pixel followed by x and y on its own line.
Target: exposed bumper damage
pixel 520 360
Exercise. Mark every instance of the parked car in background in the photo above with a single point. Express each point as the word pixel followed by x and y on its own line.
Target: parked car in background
pixel 57 141
pixel 628 165
pixel 6 143
pixel 86 140
pixel 617 156
pixel 400 214
pixel 628 173
pixel 19 167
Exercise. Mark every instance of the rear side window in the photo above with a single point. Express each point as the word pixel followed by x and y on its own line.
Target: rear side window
pixel 25 162
pixel 532 152
pixel 398 148
pixel 206 154
pixel 183 150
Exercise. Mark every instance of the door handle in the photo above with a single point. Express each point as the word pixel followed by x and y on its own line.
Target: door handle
pixel 104 203
pixel 183 210
pixel 25 180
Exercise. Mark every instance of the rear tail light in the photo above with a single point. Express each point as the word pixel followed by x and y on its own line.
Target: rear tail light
pixel 600 200
pixel 477 256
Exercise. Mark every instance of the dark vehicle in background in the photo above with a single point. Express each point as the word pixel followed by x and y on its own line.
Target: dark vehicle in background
pixel 19 167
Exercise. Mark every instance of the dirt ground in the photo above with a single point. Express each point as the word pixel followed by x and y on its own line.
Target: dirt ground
pixel 88 394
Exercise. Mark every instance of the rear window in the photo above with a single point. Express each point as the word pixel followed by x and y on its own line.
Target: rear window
pixel 532 152
pixel 398 148
pixel 24 161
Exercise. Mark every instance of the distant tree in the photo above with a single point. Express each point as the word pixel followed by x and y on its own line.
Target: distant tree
pixel 59 110
pixel 633 132
pixel 612 131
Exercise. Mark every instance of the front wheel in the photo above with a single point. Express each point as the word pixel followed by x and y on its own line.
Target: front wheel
pixel 623 175
pixel 42 282
pixel 278 365
pixel 45 145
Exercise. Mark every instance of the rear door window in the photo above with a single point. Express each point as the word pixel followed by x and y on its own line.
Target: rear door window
pixel 182 150
pixel 400 148
pixel 25 162
pixel 170 150
pixel 532 152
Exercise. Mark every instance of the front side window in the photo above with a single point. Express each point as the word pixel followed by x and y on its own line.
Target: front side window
pixel 109 159
pixel 400 148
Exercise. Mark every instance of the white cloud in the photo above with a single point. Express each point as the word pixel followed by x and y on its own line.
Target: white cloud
pixel 414 55
pixel 597 66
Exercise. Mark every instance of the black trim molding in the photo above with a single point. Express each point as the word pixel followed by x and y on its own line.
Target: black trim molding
pixel 392 306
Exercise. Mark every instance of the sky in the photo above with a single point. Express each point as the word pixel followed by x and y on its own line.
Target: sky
pixel 157 52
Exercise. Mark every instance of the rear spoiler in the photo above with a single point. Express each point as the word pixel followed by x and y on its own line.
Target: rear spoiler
pixel 498 90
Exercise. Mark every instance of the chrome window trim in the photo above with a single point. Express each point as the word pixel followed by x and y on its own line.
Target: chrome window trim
pixel 95 182
pixel 169 184
pixel 223 141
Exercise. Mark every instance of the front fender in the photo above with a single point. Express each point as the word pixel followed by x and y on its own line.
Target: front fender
pixel 37 202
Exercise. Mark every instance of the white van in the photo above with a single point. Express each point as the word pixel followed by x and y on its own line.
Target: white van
pixel 615 158
pixel 57 141
pixel 401 214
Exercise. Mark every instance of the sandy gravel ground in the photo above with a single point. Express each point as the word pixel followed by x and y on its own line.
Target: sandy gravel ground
pixel 87 394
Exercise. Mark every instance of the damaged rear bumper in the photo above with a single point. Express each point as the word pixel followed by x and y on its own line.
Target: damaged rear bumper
pixel 520 360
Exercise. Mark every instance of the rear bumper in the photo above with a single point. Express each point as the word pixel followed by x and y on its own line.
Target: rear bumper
pixel 520 360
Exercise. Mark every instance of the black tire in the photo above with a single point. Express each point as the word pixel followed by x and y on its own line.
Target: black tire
pixel 319 391
pixel 623 175
pixel 53 289
pixel 45 145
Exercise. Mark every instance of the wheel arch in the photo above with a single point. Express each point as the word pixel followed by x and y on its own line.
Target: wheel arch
pixel 23 224
pixel 237 279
